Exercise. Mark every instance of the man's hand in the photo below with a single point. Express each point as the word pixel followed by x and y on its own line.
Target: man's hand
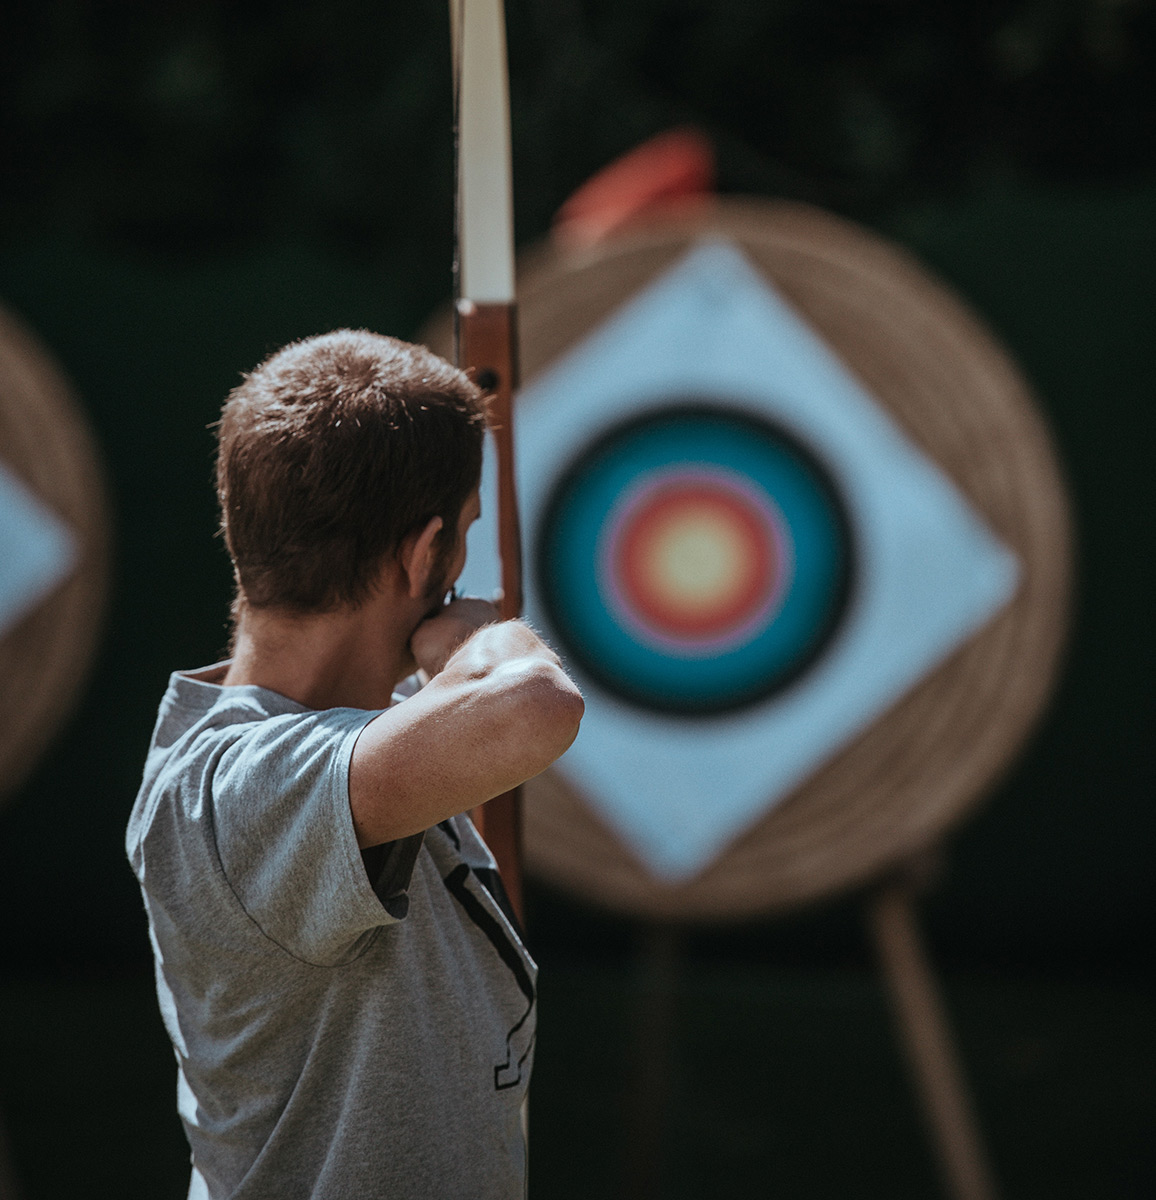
pixel 438 636
pixel 498 709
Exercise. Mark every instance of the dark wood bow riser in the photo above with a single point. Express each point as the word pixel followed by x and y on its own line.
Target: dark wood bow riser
pixel 486 342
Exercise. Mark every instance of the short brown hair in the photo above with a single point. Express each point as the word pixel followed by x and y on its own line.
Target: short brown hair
pixel 330 453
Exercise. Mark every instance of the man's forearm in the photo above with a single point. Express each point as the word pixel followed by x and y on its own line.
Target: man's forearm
pixel 498 709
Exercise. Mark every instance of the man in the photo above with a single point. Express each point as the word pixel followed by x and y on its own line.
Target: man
pixel 351 1006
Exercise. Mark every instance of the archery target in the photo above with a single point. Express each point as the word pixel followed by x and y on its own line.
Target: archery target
pixel 52 549
pixel 694 560
pixel 816 338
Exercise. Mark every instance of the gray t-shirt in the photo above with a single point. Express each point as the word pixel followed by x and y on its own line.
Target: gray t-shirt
pixel 335 1036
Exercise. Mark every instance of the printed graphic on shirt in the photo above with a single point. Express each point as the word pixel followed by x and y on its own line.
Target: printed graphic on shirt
pixel 520 1037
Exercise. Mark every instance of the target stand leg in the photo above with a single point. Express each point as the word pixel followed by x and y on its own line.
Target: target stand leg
pixel 925 1034
pixel 659 957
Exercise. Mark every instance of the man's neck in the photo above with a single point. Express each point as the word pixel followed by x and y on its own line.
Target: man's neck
pixel 350 658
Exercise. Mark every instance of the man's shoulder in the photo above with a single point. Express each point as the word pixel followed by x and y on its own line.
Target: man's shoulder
pixel 201 720
pixel 202 724
pixel 193 696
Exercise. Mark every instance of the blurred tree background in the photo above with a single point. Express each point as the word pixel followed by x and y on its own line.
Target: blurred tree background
pixel 186 186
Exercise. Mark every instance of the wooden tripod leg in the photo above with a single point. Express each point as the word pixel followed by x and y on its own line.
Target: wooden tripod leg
pixel 924 1031
pixel 657 982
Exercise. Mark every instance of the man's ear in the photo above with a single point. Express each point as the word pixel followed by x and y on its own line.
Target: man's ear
pixel 417 556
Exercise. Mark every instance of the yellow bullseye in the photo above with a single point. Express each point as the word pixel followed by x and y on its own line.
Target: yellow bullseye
pixel 696 562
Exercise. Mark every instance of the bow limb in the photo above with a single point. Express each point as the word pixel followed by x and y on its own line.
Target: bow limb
pixel 485 317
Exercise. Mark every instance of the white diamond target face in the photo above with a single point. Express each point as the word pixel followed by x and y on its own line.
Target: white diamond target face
pixel 741 557
pixel 694 560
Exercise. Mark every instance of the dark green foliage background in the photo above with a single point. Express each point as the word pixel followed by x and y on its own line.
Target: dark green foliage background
pixel 184 187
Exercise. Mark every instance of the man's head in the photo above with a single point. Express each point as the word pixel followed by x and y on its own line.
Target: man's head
pixel 331 453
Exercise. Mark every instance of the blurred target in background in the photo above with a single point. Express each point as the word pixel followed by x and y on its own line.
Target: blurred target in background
pixel 791 516
pixel 53 549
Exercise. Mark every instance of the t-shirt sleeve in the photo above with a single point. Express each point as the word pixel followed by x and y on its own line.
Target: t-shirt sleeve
pixel 285 838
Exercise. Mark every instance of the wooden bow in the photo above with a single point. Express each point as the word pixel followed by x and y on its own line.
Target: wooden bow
pixel 485 320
